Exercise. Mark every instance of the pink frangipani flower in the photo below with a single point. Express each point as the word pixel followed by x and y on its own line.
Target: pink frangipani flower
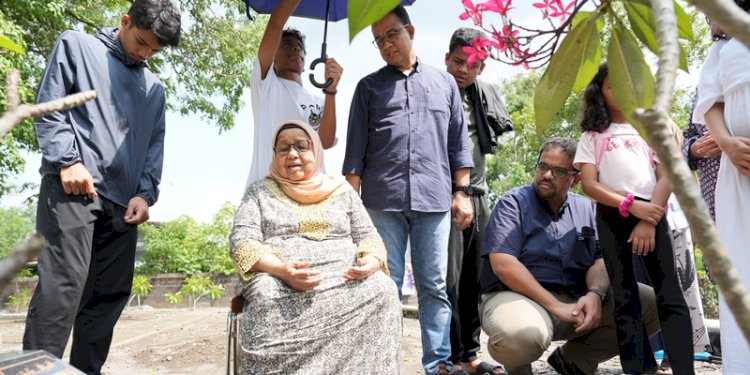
pixel 545 6
pixel 472 11
pixel 563 12
pixel 499 6
pixel 477 50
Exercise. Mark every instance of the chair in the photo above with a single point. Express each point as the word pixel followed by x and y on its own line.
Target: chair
pixel 233 327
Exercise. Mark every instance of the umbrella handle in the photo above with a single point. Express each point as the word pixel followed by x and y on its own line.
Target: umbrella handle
pixel 321 59
pixel 315 83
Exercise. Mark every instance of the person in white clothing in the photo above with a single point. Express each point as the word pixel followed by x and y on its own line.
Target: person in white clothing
pixel 724 106
pixel 277 93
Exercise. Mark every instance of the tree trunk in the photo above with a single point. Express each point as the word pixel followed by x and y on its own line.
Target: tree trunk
pixel 654 122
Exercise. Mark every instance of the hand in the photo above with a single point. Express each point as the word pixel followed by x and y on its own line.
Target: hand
pixel 568 312
pixel 76 180
pixel 366 266
pixel 299 276
pixel 738 150
pixel 589 307
pixel 137 211
pixel 647 211
pixel 705 147
pixel 642 238
pixel 333 71
pixel 461 210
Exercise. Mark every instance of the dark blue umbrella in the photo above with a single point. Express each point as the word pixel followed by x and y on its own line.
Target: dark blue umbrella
pixel 334 10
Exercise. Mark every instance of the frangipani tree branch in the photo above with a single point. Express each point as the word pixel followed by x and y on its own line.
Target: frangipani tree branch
pixel 17 113
pixel 16 261
pixel 31 247
pixel 656 126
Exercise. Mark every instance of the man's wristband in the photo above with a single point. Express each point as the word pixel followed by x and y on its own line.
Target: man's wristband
pixel 331 93
pixel 598 292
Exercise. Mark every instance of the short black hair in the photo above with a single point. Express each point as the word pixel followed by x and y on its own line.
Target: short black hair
pixel 463 36
pixel 402 15
pixel 161 17
pixel 290 32
pixel 567 145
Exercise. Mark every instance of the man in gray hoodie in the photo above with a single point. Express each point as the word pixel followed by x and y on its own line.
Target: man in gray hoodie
pixel 101 166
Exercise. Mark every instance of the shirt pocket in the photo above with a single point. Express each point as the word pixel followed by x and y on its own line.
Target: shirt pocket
pixel 584 251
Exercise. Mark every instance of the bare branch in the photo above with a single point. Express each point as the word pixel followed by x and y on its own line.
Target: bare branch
pixel 655 124
pixel 25 252
pixel 669 53
pixel 11 100
pixel 725 13
pixel 14 117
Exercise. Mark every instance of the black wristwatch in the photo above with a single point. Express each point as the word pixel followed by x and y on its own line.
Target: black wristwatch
pixel 598 292
pixel 469 190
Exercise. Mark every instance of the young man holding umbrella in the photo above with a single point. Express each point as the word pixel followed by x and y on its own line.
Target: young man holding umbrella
pixel 277 93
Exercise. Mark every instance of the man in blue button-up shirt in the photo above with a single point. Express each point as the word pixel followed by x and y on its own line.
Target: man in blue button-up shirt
pixel 406 137
pixel 544 277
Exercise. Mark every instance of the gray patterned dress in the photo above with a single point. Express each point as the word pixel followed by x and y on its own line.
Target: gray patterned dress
pixel 337 328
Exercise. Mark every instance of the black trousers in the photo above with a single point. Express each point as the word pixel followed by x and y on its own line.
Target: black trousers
pixel 636 354
pixel 462 282
pixel 85 275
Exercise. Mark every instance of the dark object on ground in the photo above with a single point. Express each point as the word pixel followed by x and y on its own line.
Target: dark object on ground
pixel 29 362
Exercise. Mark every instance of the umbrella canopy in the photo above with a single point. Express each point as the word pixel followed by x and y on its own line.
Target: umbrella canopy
pixel 326 10
pixel 315 9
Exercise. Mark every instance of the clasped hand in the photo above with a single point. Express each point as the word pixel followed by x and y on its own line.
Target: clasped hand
pixel 299 276
pixel 585 314
pixel 647 211
pixel 365 266
pixel 461 211
pixel 739 154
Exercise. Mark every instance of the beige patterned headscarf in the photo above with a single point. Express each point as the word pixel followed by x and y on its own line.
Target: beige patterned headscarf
pixel 312 190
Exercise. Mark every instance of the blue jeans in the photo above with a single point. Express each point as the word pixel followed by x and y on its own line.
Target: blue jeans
pixel 427 233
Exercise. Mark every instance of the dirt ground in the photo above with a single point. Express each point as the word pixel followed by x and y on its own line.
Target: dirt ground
pixel 177 341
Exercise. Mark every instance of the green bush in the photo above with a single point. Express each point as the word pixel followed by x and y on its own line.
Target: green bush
pixel 186 246
pixel 20 300
pixel 709 290
pixel 141 288
pixel 195 288
pixel 17 223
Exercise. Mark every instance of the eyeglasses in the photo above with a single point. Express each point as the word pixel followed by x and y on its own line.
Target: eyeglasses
pixel 390 37
pixel 283 149
pixel 556 171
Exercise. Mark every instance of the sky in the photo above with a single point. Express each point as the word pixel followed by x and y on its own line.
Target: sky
pixel 203 169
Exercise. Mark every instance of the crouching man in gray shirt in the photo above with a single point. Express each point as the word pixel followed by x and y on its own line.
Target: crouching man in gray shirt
pixel 101 166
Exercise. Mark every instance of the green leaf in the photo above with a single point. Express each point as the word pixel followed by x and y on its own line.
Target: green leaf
pixel 684 26
pixel 592 56
pixel 571 63
pixel 644 27
pixel 643 24
pixel 363 13
pixel 683 59
pixel 8 44
pixel 633 85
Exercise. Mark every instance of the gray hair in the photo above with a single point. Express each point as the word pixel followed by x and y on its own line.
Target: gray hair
pixel 567 145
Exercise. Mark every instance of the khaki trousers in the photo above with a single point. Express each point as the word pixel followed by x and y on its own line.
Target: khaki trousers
pixel 520 330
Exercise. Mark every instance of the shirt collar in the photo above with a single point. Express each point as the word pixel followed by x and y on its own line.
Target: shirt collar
pixel 545 205
pixel 417 67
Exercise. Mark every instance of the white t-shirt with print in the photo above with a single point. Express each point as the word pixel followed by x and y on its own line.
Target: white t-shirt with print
pixel 626 165
pixel 275 100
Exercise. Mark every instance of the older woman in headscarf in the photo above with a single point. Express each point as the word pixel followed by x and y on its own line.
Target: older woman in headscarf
pixel 312 265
